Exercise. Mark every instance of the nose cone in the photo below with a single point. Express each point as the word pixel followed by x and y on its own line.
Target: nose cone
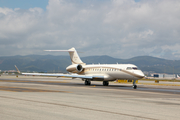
pixel 140 74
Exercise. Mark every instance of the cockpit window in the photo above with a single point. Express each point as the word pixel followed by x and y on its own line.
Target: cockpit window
pixel 135 68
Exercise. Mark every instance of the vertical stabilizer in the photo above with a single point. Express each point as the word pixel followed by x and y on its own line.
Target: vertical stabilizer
pixel 74 56
pixel 75 59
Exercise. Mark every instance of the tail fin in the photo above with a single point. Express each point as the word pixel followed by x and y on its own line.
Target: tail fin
pixel 75 59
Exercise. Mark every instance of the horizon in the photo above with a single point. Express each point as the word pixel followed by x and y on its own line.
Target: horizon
pixel 53 62
pixel 87 56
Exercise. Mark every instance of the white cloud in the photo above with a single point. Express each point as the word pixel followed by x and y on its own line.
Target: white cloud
pixel 118 28
pixel 145 34
pixel 5 11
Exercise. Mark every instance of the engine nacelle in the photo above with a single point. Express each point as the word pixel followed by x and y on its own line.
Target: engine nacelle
pixel 76 68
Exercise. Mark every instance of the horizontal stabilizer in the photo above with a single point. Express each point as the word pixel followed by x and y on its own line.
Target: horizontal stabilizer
pixel 60 50
pixel 75 59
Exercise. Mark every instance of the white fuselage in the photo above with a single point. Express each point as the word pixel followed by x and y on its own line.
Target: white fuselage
pixel 113 71
pixel 99 72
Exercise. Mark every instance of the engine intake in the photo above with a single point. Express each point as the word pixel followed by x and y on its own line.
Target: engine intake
pixel 76 68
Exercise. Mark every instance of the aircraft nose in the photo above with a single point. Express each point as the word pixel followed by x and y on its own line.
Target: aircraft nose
pixel 140 74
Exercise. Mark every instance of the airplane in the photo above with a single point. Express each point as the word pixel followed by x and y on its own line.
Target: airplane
pixel 96 72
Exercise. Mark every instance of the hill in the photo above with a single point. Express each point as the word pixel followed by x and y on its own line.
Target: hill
pixel 49 63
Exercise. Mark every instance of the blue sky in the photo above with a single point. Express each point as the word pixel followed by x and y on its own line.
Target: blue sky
pixel 24 4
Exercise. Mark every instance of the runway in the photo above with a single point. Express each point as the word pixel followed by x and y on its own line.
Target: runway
pixel 44 98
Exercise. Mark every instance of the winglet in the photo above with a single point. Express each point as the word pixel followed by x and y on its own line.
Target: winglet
pixel 17 69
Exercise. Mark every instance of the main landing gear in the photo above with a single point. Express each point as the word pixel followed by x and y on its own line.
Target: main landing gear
pixel 105 83
pixel 87 82
pixel 134 84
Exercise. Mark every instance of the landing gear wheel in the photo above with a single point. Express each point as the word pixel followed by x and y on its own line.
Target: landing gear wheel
pixel 87 82
pixel 105 83
pixel 134 86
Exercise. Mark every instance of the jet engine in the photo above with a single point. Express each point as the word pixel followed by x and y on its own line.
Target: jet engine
pixel 76 68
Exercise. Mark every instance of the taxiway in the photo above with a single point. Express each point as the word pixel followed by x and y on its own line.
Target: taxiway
pixel 44 98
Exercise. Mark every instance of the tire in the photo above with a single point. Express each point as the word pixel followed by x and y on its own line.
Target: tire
pixel 105 83
pixel 134 86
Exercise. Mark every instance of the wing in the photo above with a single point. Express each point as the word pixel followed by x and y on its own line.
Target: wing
pixel 66 75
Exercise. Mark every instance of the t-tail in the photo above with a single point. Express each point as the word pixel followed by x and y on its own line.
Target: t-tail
pixel 75 59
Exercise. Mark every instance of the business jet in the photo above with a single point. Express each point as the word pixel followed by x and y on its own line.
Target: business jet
pixel 96 72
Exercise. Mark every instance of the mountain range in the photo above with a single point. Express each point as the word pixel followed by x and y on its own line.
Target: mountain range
pixel 50 63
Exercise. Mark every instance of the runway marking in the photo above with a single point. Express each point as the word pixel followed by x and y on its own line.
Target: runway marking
pixel 84 108
pixel 22 89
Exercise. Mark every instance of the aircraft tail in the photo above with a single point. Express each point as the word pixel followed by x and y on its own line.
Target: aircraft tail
pixel 75 59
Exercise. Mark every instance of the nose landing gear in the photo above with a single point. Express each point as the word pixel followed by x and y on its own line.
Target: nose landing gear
pixel 134 84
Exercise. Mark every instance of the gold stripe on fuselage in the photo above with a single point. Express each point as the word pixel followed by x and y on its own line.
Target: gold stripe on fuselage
pixel 105 69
